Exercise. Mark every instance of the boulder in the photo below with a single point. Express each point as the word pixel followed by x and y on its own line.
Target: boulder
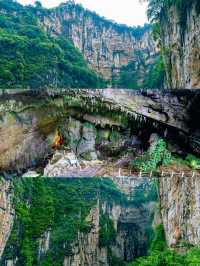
pixel 86 147
pixel 153 138
pixel 73 133
pixel 61 162
pixel 31 174
pixel 89 156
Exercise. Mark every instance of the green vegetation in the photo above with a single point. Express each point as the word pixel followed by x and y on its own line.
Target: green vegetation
pixel 30 58
pixel 116 261
pixel 147 76
pixel 114 136
pixel 157 12
pixel 107 232
pixel 156 155
pixel 60 207
pixel 191 160
pixel 159 242
pixel 97 107
pixel 145 192
pixel 156 75
pixel 155 7
pixel 160 255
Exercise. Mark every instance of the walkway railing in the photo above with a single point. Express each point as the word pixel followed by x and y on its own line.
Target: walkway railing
pixel 162 174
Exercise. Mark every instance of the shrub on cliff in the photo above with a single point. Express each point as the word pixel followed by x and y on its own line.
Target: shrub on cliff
pixel 193 161
pixel 193 257
pixel 169 258
pixel 60 207
pixel 155 8
pixel 160 255
pixel 107 232
pixel 152 77
pixel 155 156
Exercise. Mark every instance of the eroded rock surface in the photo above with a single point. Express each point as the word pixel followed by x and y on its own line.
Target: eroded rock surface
pixel 105 45
pixel 181 41
pixel 85 249
pixel 61 164
pixel 86 147
pixel 131 236
pixel 6 212
pixel 127 224
pixel 180 208
pixel 30 120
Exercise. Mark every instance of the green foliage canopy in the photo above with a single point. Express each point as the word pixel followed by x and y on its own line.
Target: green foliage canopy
pixel 30 58
pixel 155 7
pixel 160 255
pixel 152 77
pixel 61 207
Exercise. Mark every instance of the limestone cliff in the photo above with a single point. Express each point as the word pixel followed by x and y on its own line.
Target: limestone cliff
pixel 180 208
pixel 85 248
pixel 105 45
pixel 91 230
pixel 180 31
pixel 29 121
pixel 130 242
pixel 6 212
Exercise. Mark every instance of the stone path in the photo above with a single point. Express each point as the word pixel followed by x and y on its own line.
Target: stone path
pixel 96 171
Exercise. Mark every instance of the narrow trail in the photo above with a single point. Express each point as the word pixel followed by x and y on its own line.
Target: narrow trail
pixel 96 171
pixel 112 171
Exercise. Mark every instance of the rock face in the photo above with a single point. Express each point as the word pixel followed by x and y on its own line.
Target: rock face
pixel 115 228
pixel 131 224
pixel 181 42
pixel 29 121
pixel 22 145
pixel 85 249
pixel 106 45
pixel 60 164
pixel 130 241
pixel 161 106
pixel 6 212
pixel 86 146
pixel 22 138
pixel 180 208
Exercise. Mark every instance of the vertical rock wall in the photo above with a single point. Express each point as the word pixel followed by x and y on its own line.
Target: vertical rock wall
pixel 6 212
pixel 181 43
pixel 128 235
pixel 105 45
pixel 180 208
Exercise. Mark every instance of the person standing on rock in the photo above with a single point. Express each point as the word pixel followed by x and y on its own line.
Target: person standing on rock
pixel 58 140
